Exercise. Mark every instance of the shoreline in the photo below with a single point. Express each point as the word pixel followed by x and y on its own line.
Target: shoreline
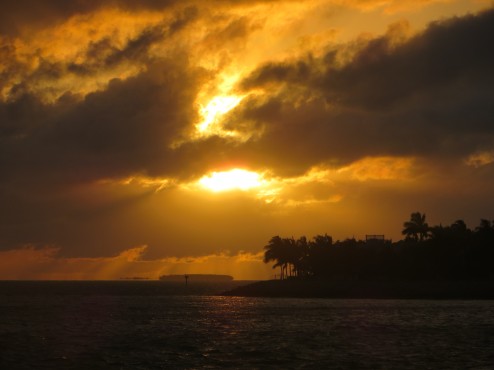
pixel 434 290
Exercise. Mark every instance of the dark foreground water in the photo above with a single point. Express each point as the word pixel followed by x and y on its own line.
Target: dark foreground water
pixel 124 325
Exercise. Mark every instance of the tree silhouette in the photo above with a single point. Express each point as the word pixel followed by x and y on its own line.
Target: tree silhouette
pixel 439 252
pixel 293 255
pixel 273 251
pixel 318 255
pixel 416 229
pixel 484 227
pixel 460 227
pixel 302 265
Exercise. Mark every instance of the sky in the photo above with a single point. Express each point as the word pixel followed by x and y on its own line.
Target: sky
pixel 142 138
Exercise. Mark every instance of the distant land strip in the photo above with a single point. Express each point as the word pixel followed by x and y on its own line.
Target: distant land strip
pixel 197 277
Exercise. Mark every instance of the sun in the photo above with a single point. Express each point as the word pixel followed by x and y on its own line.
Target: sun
pixel 235 179
pixel 217 107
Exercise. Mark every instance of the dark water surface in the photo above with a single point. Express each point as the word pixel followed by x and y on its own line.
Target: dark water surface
pixel 90 325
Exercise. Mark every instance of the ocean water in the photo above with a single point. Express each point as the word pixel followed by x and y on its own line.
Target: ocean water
pixel 145 325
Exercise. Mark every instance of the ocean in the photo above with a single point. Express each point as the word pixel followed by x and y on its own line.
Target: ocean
pixel 157 325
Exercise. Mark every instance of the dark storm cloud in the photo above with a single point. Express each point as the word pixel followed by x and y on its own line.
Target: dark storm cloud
pixel 15 15
pixel 123 130
pixel 431 95
pixel 380 76
pixel 105 55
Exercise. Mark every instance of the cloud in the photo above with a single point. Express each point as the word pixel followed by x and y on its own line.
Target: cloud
pixel 480 159
pixel 30 13
pixel 391 6
pixel 426 96
pixel 382 84
pixel 126 129
pixel 99 102
pixel 380 168
pixel 82 54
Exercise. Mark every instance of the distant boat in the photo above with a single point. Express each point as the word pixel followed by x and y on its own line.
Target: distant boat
pixel 197 278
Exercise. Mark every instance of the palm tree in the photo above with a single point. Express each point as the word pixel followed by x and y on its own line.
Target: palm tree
pixel 287 253
pixel 273 251
pixel 416 229
pixel 302 264
pixel 318 254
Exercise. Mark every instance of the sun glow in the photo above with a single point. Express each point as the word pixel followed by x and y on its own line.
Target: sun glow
pixel 231 180
pixel 217 107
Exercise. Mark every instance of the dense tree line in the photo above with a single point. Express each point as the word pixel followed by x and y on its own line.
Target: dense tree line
pixel 437 252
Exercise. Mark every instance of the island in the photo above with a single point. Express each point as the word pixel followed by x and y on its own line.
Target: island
pixel 431 262
pixel 204 278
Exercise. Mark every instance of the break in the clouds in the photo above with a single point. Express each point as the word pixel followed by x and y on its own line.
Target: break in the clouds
pixel 112 112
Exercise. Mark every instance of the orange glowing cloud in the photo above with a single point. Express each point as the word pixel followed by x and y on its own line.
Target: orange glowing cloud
pixel 480 159
pixel 380 168
pixel 45 263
